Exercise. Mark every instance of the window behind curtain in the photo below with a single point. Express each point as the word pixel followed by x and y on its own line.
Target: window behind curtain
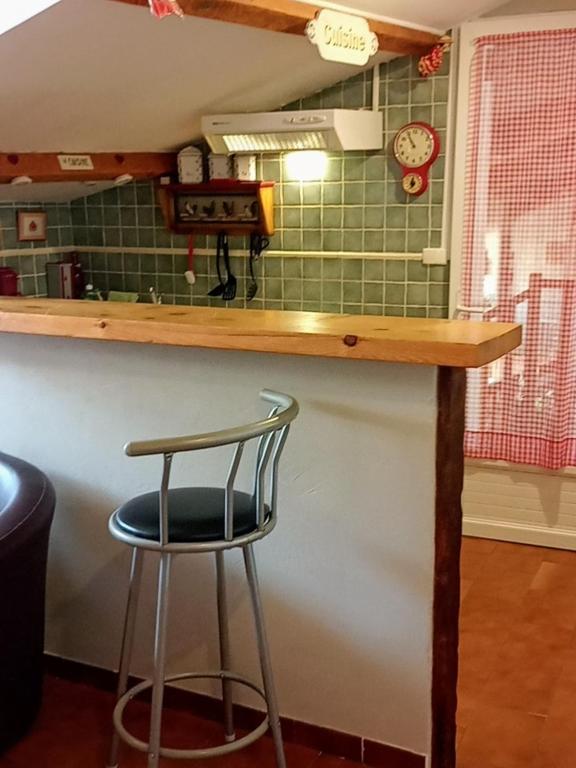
pixel 519 259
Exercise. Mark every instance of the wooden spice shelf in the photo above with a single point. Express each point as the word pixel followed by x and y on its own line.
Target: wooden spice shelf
pixel 234 207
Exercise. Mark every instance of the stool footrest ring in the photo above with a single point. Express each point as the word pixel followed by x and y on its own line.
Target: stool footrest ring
pixel 189 754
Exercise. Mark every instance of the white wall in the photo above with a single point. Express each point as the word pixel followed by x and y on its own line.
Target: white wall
pixel 523 504
pixel 347 575
pixel 520 7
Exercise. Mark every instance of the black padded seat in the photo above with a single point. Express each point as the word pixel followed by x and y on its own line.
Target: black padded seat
pixel 194 515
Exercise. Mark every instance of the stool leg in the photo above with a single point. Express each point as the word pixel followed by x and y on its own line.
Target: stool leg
pixel 265 663
pixel 224 636
pixel 159 660
pixel 127 642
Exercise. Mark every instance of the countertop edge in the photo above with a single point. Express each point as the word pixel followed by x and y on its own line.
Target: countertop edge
pixel 333 342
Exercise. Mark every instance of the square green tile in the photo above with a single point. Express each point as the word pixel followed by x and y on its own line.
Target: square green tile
pixel 311 290
pixel 417 272
pixel 373 293
pixel 354 167
pixel 375 166
pixel 292 267
pixel 312 268
pixel 352 291
pixel 395 241
pixel 373 240
pixel 438 295
pixel 272 266
pixel 311 193
pixel 331 307
pixel 396 216
pixel 312 240
pixel 334 169
pixel 353 193
pixel 416 294
pixel 331 269
pixel 375 193
pixel 373 309
pixel 374 217
pixel 416 312
pixel 352 269
pixel 398 92
pixel 312 217
pixel 331 217
pixel 418 217
pixel 439 273
pixel 273 288
pixel 331 291
pixel 292 218
pixel 353 217
pixel 395 271
pixel 332 240
pixel 292 194
pixel 332 194
pixel 292 290
pixel 292 240
pixel 421 91
pixel 353 240
pixel 394 294
pixel 373 270
pixel 418 239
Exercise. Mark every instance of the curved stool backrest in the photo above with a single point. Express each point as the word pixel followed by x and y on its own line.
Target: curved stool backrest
pixel 271 434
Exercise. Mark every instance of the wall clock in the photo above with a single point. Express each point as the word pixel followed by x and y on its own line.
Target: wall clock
pixel 416 146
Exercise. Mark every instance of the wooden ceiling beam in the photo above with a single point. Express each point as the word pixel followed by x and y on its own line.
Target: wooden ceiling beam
pixel 291 17
pixel 45 166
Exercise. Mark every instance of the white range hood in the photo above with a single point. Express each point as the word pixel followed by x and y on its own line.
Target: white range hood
pixel 330 129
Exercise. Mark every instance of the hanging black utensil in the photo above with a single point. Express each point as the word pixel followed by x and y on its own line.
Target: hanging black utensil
pixel 218 290
pixel 252 288
pixel 230 288
pixel 257 245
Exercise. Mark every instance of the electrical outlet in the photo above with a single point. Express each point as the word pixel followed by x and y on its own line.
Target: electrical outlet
pixel 434 256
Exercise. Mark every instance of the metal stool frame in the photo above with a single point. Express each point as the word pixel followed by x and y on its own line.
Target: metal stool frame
pixel 271 433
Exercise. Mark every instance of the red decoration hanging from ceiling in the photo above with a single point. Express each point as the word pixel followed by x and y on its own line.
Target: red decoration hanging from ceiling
pixel 431 62
pixel 162 8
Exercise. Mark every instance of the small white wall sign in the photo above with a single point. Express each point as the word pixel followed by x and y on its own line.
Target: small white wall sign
pixel 342 37
pixel 75 163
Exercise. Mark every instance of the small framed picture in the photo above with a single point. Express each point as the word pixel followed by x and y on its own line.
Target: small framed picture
pixel 32 225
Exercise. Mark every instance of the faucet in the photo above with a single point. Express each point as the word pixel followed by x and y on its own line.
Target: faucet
pixel 155 297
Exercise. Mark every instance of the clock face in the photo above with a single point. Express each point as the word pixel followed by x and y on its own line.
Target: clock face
pixel 415 145
pixel 413 183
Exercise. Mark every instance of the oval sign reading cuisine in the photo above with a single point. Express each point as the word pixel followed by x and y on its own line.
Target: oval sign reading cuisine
pixel 342 37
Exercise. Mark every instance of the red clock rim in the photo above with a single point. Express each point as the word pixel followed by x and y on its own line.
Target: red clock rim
pixel 435 145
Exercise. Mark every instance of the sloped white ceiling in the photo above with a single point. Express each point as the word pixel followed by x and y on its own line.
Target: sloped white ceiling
pixel 96 75
pixel 433 15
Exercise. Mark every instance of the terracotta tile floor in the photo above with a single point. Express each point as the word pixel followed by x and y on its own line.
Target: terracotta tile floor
pixel 517 689
pixel 517 684
pixel 73 727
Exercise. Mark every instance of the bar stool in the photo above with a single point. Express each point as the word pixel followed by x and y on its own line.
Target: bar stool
pixel 185 520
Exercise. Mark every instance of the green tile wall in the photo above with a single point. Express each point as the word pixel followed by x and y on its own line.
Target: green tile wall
pixel 30 264
pixel 358 209
pixel 358 286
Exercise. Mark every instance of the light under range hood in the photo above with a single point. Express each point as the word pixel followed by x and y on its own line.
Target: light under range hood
pixel 329 129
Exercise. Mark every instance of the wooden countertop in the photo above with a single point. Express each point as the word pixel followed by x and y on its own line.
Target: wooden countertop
pixel 456 343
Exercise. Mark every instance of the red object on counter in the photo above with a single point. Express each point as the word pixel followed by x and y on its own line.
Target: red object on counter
pixel 8 282
pixel 162 8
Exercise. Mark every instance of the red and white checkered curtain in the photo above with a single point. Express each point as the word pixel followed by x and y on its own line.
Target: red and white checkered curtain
pixel 520 245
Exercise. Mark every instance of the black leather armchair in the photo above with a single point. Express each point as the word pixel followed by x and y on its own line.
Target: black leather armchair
pixel 26 510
